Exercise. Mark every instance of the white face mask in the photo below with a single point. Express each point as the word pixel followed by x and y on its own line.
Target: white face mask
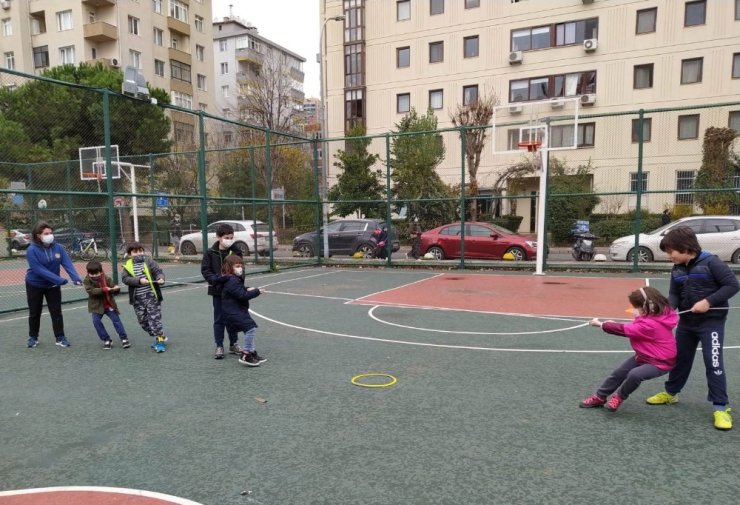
pixel 227 243
pixel 636 313
pixel 238 271
pixel 47 239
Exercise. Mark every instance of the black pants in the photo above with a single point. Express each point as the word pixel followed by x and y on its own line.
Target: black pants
pixel 35 297
pixel 219 325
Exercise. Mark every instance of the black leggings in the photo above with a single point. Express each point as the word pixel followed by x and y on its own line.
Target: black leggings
pixel 35 297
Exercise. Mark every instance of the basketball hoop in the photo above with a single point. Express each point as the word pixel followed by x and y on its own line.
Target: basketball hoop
pixel 92 176
pixel 531 145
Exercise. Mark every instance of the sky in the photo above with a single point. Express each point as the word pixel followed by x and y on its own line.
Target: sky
pixel 293 24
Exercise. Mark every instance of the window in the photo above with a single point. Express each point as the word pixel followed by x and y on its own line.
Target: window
pixel 691 70
pixel 158 37
pixel 64 20
pixel 353 21
pixel 200 53
pixel 41 56
pixel 647 129
pixel 157 6
pixel 736 66
pixel 472 4
pixel 201 82
pixel 530 38
pixel 436 52
pixel 643 77
pixel 7 27
pixel 133 25
pixel 734 118
pixel 470 45
pixel 225 91
pixel 403 103
pixel 223 45
pixel 184 133
pixel 182 100
pixel 92 17
pixel 354 108
pixel 174 42
pixel 179 10
pixel 551 86
pixel 67 55
pixel 180 71
pixel 562 135
pixel 685 181
pixel 403 10
pixel 646 20
pixel 224 68
pixel 635 185
pixel 737 10
pixel 353 65
pixel 688 127
pixel 199 23
pixel 695 13
pixel 436 99
pixel 159 68
pixel 38 25
pixel 575 32
pixel 10 63
pixel 436 7
pixel 559 34
pixel 470 94
pixel 403 57
pixel 135 58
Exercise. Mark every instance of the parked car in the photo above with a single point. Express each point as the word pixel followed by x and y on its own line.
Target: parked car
pixel 719 235
pixel 482 241
pixel 245 233
pixel 346 236
pixel 20 239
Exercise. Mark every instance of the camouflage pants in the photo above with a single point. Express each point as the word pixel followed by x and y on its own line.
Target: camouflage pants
pixel 149 314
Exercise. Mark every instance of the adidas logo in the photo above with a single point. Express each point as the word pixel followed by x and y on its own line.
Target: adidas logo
pixel 718 372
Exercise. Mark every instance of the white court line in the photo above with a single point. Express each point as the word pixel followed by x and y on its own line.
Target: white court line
pixel 100 489
pixel 308 296
pixel 401 286
pixel 302 278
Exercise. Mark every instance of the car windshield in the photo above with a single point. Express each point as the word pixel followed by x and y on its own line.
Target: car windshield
pixel 501 229
pixel 262 228
pixel 661 229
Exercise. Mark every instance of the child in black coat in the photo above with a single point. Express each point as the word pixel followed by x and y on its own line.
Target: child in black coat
pixel 235 307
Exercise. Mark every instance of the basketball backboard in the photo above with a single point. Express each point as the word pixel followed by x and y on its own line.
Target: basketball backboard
pixel 92 163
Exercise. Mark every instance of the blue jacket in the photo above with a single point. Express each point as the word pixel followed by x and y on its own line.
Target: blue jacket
pixel 235 304
pixel 44 266
pixel 705 276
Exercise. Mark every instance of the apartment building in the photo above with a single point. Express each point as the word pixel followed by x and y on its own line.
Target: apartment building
pixel 168 41
pixel 615 55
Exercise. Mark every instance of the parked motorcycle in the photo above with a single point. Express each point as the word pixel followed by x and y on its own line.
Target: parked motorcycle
pixel 584 247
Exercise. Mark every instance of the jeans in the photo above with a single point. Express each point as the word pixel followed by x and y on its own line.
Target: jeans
pixel 97 320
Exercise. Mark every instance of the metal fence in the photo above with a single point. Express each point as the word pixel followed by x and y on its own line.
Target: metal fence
pixel 157 160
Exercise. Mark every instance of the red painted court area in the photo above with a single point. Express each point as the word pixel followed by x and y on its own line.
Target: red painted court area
pixel 98 496
pixel 516 294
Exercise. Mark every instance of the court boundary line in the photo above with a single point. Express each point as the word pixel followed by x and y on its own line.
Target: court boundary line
pixel 101 489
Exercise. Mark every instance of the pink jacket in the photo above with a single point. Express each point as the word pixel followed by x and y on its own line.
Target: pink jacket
pixel 651 337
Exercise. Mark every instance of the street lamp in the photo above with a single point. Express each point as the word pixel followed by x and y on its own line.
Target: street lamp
pixel 324 116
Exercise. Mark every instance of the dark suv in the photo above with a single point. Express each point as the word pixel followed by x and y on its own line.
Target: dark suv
pixel 346 236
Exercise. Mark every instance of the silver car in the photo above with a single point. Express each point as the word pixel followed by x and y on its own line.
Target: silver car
pixel 247 234
pixel 718 235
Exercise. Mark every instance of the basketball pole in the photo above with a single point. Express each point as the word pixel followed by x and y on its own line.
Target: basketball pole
pixel 539 264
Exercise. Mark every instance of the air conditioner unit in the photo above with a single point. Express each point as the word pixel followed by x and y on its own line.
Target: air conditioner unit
pixel 114 62
pixel 588 99
pixel 586 2
pixel 590 45
pixel 515 57
pixel 5 4
pixel 556 103
pixel 515 109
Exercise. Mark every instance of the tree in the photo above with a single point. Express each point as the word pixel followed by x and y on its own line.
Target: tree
pixel 717 172
pixel 473 119
pixel 357 181
pixel 414 160
pixel 563 210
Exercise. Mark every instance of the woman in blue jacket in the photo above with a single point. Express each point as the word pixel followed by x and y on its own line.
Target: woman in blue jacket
pixel 45 257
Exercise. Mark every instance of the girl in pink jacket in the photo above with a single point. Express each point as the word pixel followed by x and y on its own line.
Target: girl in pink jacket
pixel 651 336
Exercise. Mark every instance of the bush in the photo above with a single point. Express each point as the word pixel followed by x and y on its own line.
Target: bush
pixel 509 222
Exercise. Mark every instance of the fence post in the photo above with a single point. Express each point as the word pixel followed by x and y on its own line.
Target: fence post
pixel 109 185
pixel 319 209
pixel 202 180
pixel 268 170
pixel 638 200
pixel 70 212
pixel 388 196
pixel 463 203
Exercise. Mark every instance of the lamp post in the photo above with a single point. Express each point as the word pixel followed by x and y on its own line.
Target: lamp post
pixel 324 116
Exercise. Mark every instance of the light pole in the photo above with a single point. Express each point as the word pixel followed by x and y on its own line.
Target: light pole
pixel 324 116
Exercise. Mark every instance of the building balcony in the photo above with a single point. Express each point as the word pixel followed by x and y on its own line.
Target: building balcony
pixel 297 74
pixel 181 56
pixel 176 25
pixel 248 55
pixel 99 3
pixel 100 31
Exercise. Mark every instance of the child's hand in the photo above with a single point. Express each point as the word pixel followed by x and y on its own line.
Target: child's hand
pixel 160 281
pixel 116 288
pixel 78 283
pixel 595 322
pixel 106 289
pixel 700 307
pixel 143 282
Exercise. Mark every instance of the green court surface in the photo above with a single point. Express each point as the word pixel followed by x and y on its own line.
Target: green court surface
pixel 484 410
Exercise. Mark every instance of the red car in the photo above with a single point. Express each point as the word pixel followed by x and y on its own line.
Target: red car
pixel 482 241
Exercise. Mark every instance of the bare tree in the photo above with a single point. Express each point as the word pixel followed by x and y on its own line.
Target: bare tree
pixel 474 118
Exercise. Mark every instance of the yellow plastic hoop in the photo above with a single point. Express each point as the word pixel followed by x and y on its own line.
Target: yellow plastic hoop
pixel 355 380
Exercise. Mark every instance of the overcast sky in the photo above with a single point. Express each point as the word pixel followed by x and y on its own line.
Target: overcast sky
pixel 293 24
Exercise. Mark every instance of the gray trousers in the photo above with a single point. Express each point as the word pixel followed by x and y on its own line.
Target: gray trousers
pixel 627 377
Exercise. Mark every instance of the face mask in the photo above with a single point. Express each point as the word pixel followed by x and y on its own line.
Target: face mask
pixel 47 239
pixel 238 271
pixel 636 313
pixel 227 243
pixel 139 259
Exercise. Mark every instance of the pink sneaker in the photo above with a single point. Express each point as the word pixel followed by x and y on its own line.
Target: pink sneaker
pixel 592 401
pixel 614 402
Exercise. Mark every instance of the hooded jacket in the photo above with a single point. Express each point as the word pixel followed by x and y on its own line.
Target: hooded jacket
pixel 651 337
pixel 44 266
pixel 235 303
pixel 210 266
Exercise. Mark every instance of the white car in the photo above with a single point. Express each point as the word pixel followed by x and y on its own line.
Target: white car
pixel 247 235
pixel 718 235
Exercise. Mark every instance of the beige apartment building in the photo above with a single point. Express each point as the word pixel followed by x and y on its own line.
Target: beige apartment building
pixel 613 55
pixel 170 42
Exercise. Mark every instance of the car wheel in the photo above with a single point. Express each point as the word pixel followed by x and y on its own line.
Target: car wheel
pixel 736 256
pixel 15 245
pixel 518 253
pixel 367 250
pixel 187 248
pixel 305 251
pixel 644 255
pixel 437 252
pixel 242 247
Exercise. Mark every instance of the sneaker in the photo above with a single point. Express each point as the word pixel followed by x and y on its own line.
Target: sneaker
pixel 723 419
pixel 247 359
pixel 614 402
pixel 235 349
pixel 259 358
pixel 63 342
pixel 108 344
pixel 32 342
pixel 662 399
pixel 592 401
pixel 219 354
pixel 125 343
pixel 158 345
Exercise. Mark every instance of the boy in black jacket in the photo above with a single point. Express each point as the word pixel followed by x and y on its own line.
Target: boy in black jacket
pixel 701 285
pixel 210 268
